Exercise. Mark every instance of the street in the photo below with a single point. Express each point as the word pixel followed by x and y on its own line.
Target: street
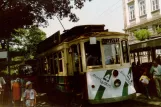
pixel 128 103
pixel 140 101
pixel 43 100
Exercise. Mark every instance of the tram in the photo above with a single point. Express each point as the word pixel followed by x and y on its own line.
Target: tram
pixel 90 60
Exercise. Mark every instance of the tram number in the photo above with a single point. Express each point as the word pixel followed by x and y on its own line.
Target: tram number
pixel 107 78
pixel 111 41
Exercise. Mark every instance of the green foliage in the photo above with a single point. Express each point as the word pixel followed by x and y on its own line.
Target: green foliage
pixel 142 34
pixel 158 30
pixel 16 14
pixel 26 40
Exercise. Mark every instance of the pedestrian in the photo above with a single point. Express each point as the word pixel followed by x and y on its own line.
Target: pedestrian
pixel 2 87
pixel 16 93
pixel 29 95
pixel 155 71
pixel 145 82
pixel 22 89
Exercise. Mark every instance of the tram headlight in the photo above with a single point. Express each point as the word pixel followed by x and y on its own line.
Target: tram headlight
pixel 115 73
pixel 117 83
pixel 93 86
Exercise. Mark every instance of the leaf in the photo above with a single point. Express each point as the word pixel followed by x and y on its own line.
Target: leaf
pixel 16 14
pixel 25 40
pixel 142 34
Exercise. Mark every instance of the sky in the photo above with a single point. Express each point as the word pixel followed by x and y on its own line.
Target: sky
pixel 107 12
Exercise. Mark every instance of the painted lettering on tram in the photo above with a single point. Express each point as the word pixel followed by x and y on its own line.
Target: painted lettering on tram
pixel 102 81
pixel 127 77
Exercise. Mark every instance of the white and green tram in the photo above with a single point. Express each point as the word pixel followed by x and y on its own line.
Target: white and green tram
pixel 90 60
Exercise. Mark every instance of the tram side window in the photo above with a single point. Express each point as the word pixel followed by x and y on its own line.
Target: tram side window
pixel 46 65
pixel 51 64
pixel 125 51
pixel 60 62
pixel 93 54
pixel 76 55
pixel 55 64
pixel 112 53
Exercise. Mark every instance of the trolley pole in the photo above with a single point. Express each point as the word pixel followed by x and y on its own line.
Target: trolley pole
pixel 60 23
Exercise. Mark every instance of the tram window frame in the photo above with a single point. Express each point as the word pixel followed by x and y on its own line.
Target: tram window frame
pixel 40 65
pixel 51 64
pixel 77 51
pixel 60 61
pixel 112 42
pixel 45 65
pixel 125 52
pixel 91 66
pixel 56 69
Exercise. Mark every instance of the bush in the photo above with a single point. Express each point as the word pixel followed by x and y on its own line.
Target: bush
pixel 142 34
pixel 158 30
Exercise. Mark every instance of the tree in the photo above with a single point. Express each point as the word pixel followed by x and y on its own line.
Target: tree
pixel 26 40
pixel 142 34
pixel 16 14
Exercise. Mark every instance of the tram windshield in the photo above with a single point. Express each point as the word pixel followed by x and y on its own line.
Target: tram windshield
pixel 111 52
pixel 93 54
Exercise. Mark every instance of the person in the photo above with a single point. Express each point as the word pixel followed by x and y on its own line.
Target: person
pixel 2 88
pixel 22 88
pixel 135 77
pixel 156 73
pixel 29 95
pixel 145 81
pixel 90 60
pixel 112 60
pixel 108 60
pixel 15 86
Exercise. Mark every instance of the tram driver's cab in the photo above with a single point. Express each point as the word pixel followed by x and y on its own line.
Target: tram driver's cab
pixel 106 52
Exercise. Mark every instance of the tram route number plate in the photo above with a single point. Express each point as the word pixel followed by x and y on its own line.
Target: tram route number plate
pixel 110 41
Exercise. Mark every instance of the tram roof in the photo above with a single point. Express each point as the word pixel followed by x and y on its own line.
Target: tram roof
pixel 93 34
pixel 146 45
pixel 77 32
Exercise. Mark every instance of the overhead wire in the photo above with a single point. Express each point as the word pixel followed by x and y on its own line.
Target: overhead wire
pixel 113 10
pixel 108 8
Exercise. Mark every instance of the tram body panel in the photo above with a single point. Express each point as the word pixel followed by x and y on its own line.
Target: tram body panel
pixel 100 84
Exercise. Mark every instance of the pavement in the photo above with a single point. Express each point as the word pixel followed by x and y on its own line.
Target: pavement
pixel 44 101
pixel 154 101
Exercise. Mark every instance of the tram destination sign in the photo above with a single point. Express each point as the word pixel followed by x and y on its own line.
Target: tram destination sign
pixel 110 41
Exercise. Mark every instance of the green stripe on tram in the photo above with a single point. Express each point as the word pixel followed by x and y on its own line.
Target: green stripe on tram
pixel 125 88
pixel 101 88
pixel 100 92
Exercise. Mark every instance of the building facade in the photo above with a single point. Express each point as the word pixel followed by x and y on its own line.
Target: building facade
pixel 141 14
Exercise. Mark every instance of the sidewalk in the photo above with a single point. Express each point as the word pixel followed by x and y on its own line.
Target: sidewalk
pixel 153 101
pixel 42 101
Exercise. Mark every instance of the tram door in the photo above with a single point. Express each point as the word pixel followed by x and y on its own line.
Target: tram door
pixel 77 66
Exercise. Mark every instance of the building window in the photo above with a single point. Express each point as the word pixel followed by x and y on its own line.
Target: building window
pixel 142 7
pixel 155 5
pixel 131 12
